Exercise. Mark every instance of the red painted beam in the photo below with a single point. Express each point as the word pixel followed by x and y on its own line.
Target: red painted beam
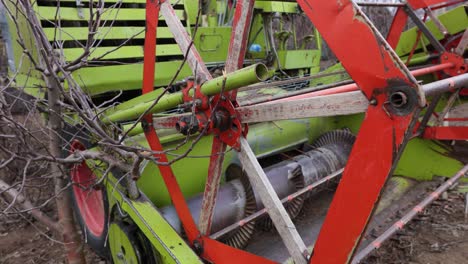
pixel 376 69
pixel 446 133
pixel 235 60
pixel 397 27
pixel 152 18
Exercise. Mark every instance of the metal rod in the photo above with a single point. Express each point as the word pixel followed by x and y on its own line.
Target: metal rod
pixel 436 21
pixel 460 49
pixel 446 85
pixel 135 107
pixel 431 69
pixel 285 200
pixel 398 225
pixel 169 122
pixel 267 98
pixel 288 81
pixel 380 4
pixel 434 42
pixel 354 87
pixel 350 102
pixel 429 111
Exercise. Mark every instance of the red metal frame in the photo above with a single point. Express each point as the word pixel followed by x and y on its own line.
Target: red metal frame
pixel 382 134
pixel 211 250
pixel 234 61
pixel 381 139
pixel 398 24
pixel 152 18
pixel 446 133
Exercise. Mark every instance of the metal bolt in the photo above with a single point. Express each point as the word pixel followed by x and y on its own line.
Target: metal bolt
pixel 120 255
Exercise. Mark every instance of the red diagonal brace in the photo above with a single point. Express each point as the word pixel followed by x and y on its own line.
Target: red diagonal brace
pixel 398 24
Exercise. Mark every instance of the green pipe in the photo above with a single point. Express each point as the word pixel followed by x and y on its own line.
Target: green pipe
pixel 132 109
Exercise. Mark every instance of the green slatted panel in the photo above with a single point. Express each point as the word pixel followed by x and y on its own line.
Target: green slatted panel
pixel 81 33
pixel 98 80
pixel 124 52
pixel 108 78
pixel 71 14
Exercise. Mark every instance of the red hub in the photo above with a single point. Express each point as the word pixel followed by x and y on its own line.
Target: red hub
pixel 88 199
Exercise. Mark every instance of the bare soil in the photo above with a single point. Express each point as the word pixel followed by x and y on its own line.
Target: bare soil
pixel 24 241
pixel 439 235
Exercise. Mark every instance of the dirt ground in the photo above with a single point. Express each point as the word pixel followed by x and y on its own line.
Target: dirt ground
pixel 26 242
pixel 439 235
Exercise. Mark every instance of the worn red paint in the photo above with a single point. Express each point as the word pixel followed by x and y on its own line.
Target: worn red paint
pixel 424 3
pixel 446 133
pixel 381 135
pixel 212 185
pixel 217 252
pixel 235 60
pixel 152 17
pixel 397 27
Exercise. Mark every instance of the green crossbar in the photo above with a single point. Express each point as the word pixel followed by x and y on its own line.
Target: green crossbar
pixel 81 33
pixel 71 14
pixel 124 52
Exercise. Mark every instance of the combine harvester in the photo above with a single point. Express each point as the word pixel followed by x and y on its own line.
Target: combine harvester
pixel 251 83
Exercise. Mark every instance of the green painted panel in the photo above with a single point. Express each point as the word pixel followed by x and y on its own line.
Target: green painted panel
pixel 265 139
pixel 31 85
pixel 423 159
pixel 276 6
pixel 257 36
pixel 98 80
pixel 70 13
pixel 168 243
pixel 171 247
pixel 191 9
pixel 455 21
pixel 297 59
pixel 332 78
pixel 24 68
pixel 213 43
pixel 81 33
pixel 124 52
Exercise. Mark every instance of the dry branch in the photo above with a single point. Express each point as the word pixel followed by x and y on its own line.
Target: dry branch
pixel 25 204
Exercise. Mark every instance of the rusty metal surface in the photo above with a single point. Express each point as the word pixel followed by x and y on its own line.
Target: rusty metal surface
pixel 234 61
